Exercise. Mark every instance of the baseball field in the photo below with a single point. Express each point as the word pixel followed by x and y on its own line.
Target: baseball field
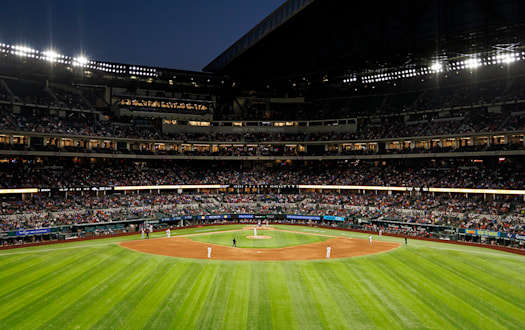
pixel 111 283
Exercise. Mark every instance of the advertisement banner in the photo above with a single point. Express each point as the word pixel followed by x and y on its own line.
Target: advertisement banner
pixel 333 218
pixel 488 233
pixel 303 217
pixel 170 219
pixel 514 236
pixel 32 232
pixel 264 216
pixel 214 217
pixel 246 216
pixel 178 218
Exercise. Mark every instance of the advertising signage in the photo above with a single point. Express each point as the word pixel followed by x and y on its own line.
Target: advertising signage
pixel 333 218
pixel 214 217
pixel 482 232
pixel 186 217
pixel 514 236
pixel 32 232
pixel 303 217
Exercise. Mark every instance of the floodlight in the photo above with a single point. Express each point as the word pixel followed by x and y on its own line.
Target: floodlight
pixel 51 55
pixel 505 58
pixel 437 67
pixel 81 60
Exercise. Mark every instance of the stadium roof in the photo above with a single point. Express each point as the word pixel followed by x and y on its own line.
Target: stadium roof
pixel 321 37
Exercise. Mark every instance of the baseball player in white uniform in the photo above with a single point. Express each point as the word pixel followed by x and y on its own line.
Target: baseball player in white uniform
pixel 370 239
pixel 328 250
pixel 209 251
pixel 168 233
pixel 142 233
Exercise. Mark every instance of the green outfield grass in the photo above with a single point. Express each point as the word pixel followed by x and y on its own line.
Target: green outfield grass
pixel 278 239
pixel 98 284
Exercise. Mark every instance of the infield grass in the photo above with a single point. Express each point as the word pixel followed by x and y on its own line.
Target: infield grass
pixel 98 284
pixel 278 239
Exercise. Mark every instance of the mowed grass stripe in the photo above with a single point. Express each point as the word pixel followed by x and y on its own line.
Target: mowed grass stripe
pixel 212 314
pixel 482 273
pixel 19 276
pixel 120 313
pixel 425 287
pixel 456 310
pixel 416 300
pixel 381 294
pixel 181 278
pixel 507 272
pixel 98 309
pixel 91 291
pixel 306 314
pixel 283 314
pixel 30 304
pixel 173 313
pixel 8 261
pixel 368 301
pixel 293 239
pixel 196 298
pixel 236 314
pixel 38 312
pixel 346 302
pixel 494 310
pixel 259 313
pixel 146 306
pixel 393 295
pixel 328 309
pixel 346 283
pixel 22 262
pixel 17 292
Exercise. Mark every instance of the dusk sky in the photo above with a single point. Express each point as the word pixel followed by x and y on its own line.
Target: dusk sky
pixel 173 34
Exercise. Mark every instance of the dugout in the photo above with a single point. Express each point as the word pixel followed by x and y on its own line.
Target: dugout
pixel 392 225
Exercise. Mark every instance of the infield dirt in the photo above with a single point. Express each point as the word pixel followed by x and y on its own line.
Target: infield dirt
pixel 184 247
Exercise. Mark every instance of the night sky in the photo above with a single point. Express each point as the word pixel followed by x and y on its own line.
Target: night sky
pixel 172 34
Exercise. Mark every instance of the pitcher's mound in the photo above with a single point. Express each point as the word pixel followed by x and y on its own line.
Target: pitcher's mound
pixel 259 237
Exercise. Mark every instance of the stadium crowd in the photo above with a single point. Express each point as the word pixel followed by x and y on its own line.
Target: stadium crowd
pixel 504 176
pixel 504 215
pixel 82 125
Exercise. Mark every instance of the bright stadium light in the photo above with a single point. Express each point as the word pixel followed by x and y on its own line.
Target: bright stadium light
pixel 51 55
pixel 505 58
pixel 472 63
pixel 80 61
pixel 22 51
pixel 436 67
